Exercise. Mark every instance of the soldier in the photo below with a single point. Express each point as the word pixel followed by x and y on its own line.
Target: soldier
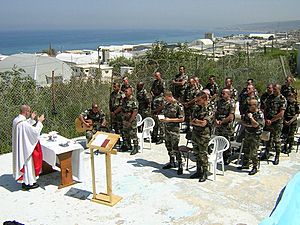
pixel 233 91
pixel 179 84
pixel 290 122
pixel 174 115
pixel 198 83
pixel 129 111
pixel 254 123
pixel 97 120
pixel 287 88
pixel 188 101
pixel 224 118
pixel 158 85
pixel 202 119
pixel 265 95
pixel 213 88
pixel 115 101
pixel 274 112
pixel 158 133
pixel 143 100
pixel 245 100
pixel 125 84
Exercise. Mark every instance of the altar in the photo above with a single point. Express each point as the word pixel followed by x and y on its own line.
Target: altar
pixel 66 153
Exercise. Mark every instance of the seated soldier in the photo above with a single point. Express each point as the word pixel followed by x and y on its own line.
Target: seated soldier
pixel 94 120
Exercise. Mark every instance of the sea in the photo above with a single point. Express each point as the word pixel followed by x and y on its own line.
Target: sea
pixel 32 41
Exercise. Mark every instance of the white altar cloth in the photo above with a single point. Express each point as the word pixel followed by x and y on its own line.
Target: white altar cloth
pixel 52 148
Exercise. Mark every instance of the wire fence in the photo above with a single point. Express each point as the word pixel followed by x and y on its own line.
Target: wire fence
pixel 63 102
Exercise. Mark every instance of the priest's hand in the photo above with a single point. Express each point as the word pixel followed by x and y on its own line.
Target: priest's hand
pixel 33 115
pixel 41 118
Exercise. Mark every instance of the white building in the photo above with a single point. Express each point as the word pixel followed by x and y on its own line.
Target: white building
pixel 39 67
pixel 91 70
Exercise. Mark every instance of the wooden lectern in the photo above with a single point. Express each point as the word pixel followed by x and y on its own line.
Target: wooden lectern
pixel 104 142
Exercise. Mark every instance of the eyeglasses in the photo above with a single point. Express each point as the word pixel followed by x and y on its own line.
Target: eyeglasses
pixel 251 104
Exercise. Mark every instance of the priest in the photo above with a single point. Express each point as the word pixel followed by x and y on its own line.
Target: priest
pixel 26 148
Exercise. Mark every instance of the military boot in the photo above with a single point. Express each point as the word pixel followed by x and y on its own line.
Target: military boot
pixel 203 176
pixel 265 155
pixel 253 171
pixel 276 160
pixel 180 169
pixel 135 150
pixel 197 174
pixel 171 164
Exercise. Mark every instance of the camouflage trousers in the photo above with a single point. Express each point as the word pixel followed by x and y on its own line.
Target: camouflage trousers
pixel 275 133
pixel 116 123
pixel 130 134
pixel 200 148
pixel 250 148
pixel 289 132
pixel 172 137
pixel 158 129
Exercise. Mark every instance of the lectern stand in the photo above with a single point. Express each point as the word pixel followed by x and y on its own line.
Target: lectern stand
pixel 104 142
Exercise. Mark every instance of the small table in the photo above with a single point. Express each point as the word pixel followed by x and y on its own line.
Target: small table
pixel 67 153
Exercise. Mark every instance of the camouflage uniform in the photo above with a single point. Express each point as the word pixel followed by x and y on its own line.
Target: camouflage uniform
pixel 115 101
pixel 158 87
pixel 289 131
pixel 224 109
pixel 172 135
pixel 129 105
pixel 244 103
pixel 178 90
pixel 97 119
pixel 274 104
pixel 286 90
pixel 158 130
pixel 213 88
pixel 143 99
pixel 201 135
pixel 252 138
pixel 234 94
pixel 263 99
pixel 189 94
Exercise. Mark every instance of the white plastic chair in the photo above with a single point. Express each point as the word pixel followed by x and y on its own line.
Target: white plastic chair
pixel 148 124
pixel 220 144
pixel 139 120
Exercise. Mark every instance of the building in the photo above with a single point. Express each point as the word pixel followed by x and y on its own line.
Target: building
pixel 39 67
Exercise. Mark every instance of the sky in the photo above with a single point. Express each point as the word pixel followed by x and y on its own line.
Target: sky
pixel 146 14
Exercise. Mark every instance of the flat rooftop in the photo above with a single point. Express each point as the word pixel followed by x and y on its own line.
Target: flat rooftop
pixel 149 194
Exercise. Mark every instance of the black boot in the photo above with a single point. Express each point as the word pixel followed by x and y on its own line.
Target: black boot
pixel 203 175
pixel 265 155
pixel 276 160
pixel 160 141
pixel 284 150
pixel 171 164
pixel 197 174
pixel 244 166
pixel 135 150
pixel 180 169
pixel 253 171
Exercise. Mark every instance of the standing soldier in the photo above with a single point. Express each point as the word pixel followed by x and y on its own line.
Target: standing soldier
pixel 157 105
pixel 287 88
pixel 179 84
pixel 173 112
pixel 129 129
pixel 202 119
pixel 158 133
pixel 290 122
pixel 254 123
pixel 143 100
pixel 224 117
pixel 213 88
pixel 125 84
pixel 158 85
pixel 265 95
pixel 188 101
pixel 233 91
pixel 274 112
pixel 115 101
pixel 245 100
